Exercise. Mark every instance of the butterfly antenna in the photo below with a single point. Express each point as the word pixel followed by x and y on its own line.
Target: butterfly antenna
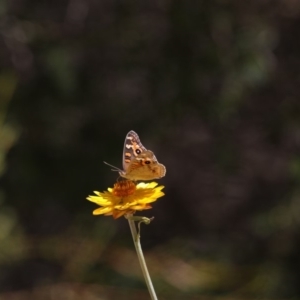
pixel 114 168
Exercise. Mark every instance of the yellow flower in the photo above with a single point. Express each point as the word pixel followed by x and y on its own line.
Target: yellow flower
pixel 126 197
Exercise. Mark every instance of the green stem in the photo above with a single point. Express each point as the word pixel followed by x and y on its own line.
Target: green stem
pixel 139 251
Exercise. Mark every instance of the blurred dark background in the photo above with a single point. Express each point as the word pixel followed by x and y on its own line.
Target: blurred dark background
pixel 212 86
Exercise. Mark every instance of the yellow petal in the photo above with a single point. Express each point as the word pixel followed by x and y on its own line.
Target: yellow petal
pixel 141 207
pixel 143 185
pixel 102 210
pixel 99 200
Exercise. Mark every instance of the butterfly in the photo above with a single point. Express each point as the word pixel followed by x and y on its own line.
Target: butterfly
pixel 138 162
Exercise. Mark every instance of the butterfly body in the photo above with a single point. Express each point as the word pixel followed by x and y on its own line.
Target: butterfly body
pixel 138 162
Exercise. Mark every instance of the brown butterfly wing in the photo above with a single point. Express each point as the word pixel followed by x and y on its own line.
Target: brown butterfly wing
pixel 138 162
pixel 145 167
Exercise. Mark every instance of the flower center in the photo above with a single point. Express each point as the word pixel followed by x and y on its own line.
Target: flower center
pixel 124 188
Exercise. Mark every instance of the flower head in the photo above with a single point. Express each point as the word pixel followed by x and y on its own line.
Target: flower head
pixel 126 197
